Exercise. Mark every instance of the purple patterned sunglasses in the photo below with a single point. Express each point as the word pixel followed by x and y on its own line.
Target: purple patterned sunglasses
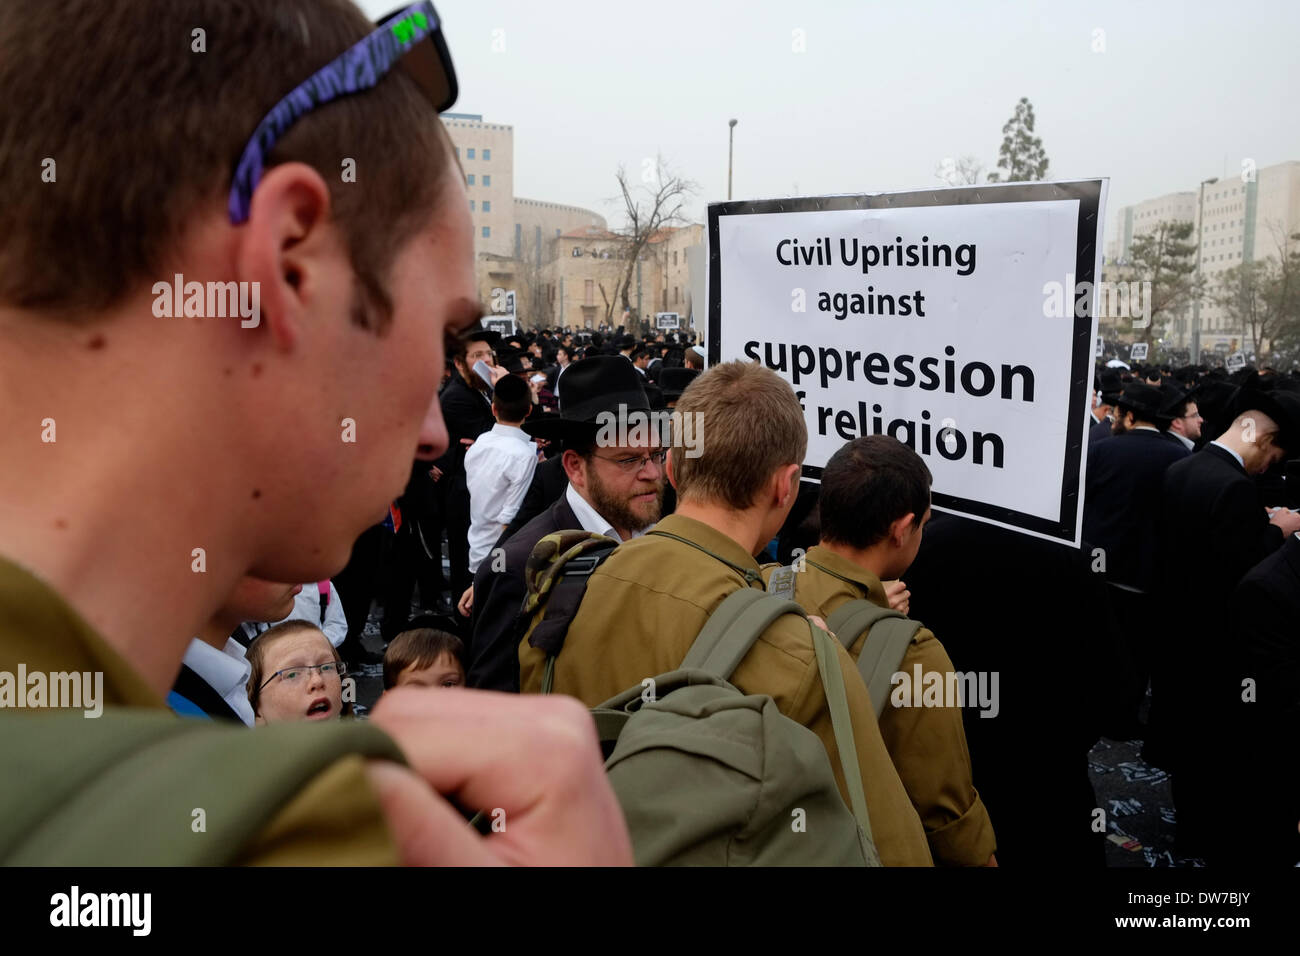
pixel 356 70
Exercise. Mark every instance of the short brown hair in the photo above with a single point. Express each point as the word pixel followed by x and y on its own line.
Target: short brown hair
pixel 751 424
pixel 145 133
pixel 869 484
pixel 421 647
pixel 257 656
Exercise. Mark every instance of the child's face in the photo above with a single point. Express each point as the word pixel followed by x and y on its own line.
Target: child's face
pixel 444 672
pixel 300 692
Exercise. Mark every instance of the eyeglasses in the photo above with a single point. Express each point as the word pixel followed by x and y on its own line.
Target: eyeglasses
pixel 357 69
pixel 292 675
pixel 636 462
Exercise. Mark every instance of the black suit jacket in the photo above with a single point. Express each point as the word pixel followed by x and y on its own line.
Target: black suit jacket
pixel 1125 476
pixel 1213 522
pixel 498 597
pixel 468 414
pixel 1099 431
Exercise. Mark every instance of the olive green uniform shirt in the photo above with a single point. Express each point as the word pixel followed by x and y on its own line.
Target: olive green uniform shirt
pixel 928 744
pixel 642 610
pixel 335 820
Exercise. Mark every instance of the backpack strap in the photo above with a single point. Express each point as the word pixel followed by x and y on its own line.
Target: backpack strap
pixel 886 644
pixel 323 590
pixel 781 583
pixel 837 700
pixel 732 629
pixel 749 574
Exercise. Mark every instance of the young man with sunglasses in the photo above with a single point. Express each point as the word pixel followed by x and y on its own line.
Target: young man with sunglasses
pixel 152 462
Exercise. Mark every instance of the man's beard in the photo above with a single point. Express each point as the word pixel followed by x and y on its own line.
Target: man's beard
pixel 472 379
pixel 622 512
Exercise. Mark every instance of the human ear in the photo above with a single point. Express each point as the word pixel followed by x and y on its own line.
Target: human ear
pixel 287 248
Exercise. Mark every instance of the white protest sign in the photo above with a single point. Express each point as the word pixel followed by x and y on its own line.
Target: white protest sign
pixel 1236 361
pixel 959 321
pixel 1100 348
pixel 1138 352
pixel 667 320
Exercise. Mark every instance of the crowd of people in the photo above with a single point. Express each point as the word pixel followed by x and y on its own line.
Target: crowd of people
pixel 162 499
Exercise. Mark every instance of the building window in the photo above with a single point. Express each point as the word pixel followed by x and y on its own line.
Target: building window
pixel 487 180
pixel 471 205
pixel 470 179
pixel 589 292
pixel 674 260
pixel 487 154
pixel 458 152
pixel 487 232
pixel 487 205
pixel 469 153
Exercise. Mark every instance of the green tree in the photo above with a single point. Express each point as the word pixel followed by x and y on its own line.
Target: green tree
pixel 1165 257
pixel 1263 297
pixel 1021 155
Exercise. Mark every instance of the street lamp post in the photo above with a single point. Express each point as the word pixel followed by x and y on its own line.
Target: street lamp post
pixel 1196 302
pixel 731 143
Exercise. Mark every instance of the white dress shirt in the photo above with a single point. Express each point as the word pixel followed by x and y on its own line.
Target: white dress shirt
pixel 1187 442
pixel 498 467
pixel 226 672
pixel 306 607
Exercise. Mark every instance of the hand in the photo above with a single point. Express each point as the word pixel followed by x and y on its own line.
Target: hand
pixel 498 372
pixel 435 472
pixel 1286 519
pixel 466 602
pixel 899 596
pixel 467 442
pixel 532 762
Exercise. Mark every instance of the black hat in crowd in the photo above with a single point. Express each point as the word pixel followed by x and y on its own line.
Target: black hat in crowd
pixel 1143 400
pixel 1109 384
pixel 1174 399
pixel 589 391
pixel 1280 404
pixel 674 381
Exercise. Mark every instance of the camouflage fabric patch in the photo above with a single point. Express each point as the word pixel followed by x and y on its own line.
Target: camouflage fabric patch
pixel 546 562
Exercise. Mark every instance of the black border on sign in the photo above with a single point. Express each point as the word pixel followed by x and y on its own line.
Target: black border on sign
pixel 1086 192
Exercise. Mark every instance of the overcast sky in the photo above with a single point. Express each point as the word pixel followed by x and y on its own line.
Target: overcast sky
pixel 882 94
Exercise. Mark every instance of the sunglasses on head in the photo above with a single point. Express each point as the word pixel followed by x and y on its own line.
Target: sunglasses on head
pixel 411 36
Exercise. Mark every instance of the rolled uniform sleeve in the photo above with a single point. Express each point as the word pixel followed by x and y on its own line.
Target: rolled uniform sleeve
pixel 928 745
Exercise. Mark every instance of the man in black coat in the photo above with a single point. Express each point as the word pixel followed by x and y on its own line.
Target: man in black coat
pixel 1122 504
pixel 1268 774
pixel 467 409
pixel 609 489
pixel 1103 415
pixel 1215 528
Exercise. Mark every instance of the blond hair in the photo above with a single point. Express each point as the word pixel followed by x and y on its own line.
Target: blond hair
pixel 750 423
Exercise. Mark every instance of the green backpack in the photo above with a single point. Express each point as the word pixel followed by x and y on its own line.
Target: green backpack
pixel 120 790
pixel 882 654
pixel 707 775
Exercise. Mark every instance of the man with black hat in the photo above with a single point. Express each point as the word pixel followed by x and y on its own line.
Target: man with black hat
pixel 1184 417
pixel 467 409
pixel 616 491
pixel 1102 415
pixel 1122 502
pixel 1214 524
pixel 674 381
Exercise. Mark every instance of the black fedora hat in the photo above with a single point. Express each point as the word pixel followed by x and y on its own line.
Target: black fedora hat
pixel 1142 400
pixel 674 381
pixel 589 392
pixel 1109 384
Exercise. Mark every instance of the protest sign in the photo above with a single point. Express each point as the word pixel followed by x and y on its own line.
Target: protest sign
pixel 1236 361
pixel 667 320
pixel 504 324
pixel 960 321
pixel 1138 352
